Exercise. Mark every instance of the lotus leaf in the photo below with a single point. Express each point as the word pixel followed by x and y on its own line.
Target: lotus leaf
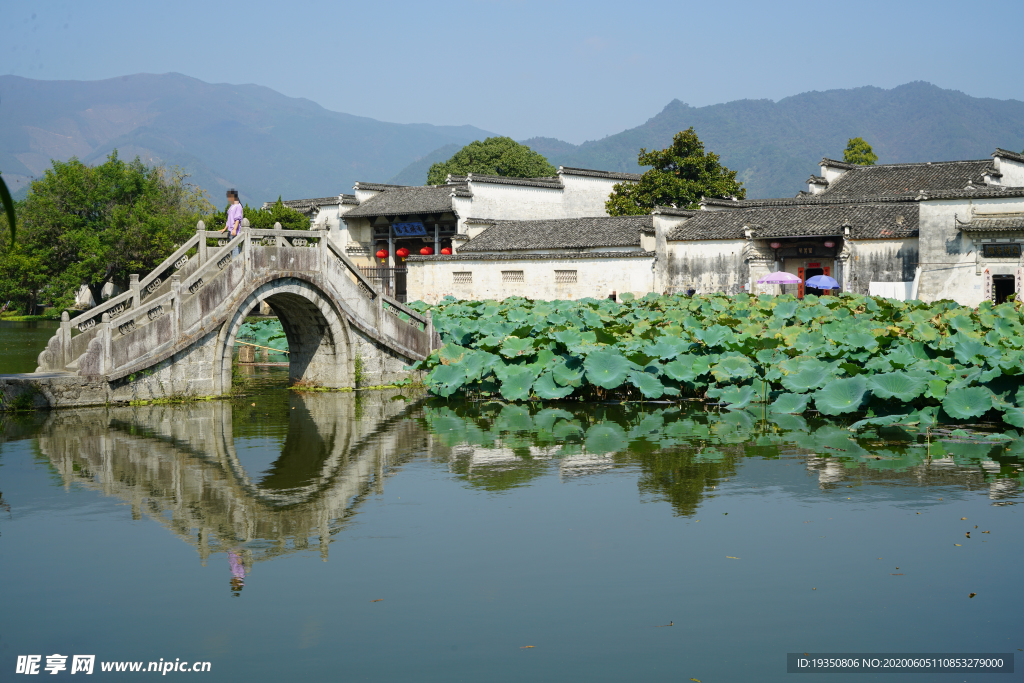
pixel 841 396
pixel 805 375
pixel 606 368
pixel 860 340
pixel 737 397
pixel 731 368
pixel 899 385
pixel 514 346
pixel 1014 416
pixel 680 369
pixel 546 388
pixel 789 403
pixel 967 402
pixel 444 380
pixel 516 383
pixel 648 384
pixel 568 372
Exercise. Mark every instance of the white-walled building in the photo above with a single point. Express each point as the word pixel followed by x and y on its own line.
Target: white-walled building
pixel 932 230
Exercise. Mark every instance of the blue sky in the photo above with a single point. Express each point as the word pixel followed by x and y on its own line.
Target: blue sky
pixel 571 70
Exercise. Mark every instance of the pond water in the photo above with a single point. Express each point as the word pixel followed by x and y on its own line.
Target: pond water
pixel 21 343
pixel 381 537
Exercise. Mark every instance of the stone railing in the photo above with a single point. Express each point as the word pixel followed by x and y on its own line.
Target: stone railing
pixel 189 289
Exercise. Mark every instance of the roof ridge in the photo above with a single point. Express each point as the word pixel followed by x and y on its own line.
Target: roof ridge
pixel 1007 154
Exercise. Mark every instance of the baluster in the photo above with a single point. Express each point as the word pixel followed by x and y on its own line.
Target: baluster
pixel 65 338
pixel 175 306
pixel 107 361
pixel 133 284
pixel 278 238
pixel 201 233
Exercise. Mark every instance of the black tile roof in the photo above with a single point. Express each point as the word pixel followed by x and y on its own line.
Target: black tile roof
pixel 1007 154
pixel 612 175
pixel 832 163
pixel 902 180
pixel 307 205
pixel 403 201
pixel 866 221
pixel 1011 223
pixel 489 256
pixel 553 182
pixel 360 185
pixel 816 180
pixel 673 211
pixel 561 233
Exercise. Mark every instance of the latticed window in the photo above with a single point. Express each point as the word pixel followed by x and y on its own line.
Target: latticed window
pixel 512 276
pixel 565 277
pixel 463 277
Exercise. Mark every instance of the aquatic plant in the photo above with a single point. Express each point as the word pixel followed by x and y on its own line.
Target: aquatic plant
pixel 846 355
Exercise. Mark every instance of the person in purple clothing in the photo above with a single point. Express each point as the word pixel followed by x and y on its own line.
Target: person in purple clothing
pixel 237 571
pixel 234 222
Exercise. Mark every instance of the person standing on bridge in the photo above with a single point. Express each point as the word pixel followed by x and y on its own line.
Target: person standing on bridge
pixel 234 222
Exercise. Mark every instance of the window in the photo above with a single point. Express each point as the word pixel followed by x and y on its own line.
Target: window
pixel 512 276
pixel 565 277
pixel 1011 250
pixel 463 277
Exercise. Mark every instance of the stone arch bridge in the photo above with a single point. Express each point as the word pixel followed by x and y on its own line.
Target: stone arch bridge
pixel 173 332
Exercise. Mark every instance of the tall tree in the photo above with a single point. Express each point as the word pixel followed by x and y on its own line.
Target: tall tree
pixel 494 156
pixel 859 152
pixel 92 224
pixel 680 175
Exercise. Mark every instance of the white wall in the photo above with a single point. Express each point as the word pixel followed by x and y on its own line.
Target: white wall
pixel 706 265
pixel 432 279
pixel 1013 172
pixel 586 195
pixel 951 266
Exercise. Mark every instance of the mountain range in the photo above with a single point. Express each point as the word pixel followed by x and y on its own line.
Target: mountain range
pixel 245 136
pixel 267 144
pixel 775 146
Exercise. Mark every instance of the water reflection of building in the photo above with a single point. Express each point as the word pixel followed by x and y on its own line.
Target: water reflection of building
pixel 179 466
pixel 834 472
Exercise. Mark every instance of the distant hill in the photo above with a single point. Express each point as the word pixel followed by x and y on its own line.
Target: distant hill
pixel 244 136
pixel 775 146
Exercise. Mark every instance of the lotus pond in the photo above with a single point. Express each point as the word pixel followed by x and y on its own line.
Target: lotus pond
pixel 865 360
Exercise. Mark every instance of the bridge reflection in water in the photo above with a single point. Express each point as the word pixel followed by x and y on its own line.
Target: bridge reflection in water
pixel 180 465
pixel 185 466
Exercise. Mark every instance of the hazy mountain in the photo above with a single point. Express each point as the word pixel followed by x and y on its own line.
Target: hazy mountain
pixel 244 136
pixel 775 146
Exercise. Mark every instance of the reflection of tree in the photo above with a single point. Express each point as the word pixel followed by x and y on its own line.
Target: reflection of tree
pixel 177 464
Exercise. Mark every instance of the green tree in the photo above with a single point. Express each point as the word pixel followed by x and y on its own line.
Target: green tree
pixel 680 175
pixel 858 151
pixel 494 156
pixel 93 224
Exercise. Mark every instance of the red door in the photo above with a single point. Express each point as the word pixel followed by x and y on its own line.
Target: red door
pixel 800 287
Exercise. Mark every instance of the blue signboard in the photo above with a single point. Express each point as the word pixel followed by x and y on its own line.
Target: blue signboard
pixel 409 229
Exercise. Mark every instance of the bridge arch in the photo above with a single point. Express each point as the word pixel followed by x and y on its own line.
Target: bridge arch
pixel 318 333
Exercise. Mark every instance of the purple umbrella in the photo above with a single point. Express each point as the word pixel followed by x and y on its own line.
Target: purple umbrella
pixel 822 282
pixel 779 278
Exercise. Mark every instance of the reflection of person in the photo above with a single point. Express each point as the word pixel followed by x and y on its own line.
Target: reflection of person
pixel 234 222
pixel 237 572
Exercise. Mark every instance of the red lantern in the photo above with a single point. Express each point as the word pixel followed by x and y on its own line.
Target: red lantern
pixel 446 251
pixel 829 244
pixel 426 251
pixel 382 254
pixel 776 245
pixel 402 253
